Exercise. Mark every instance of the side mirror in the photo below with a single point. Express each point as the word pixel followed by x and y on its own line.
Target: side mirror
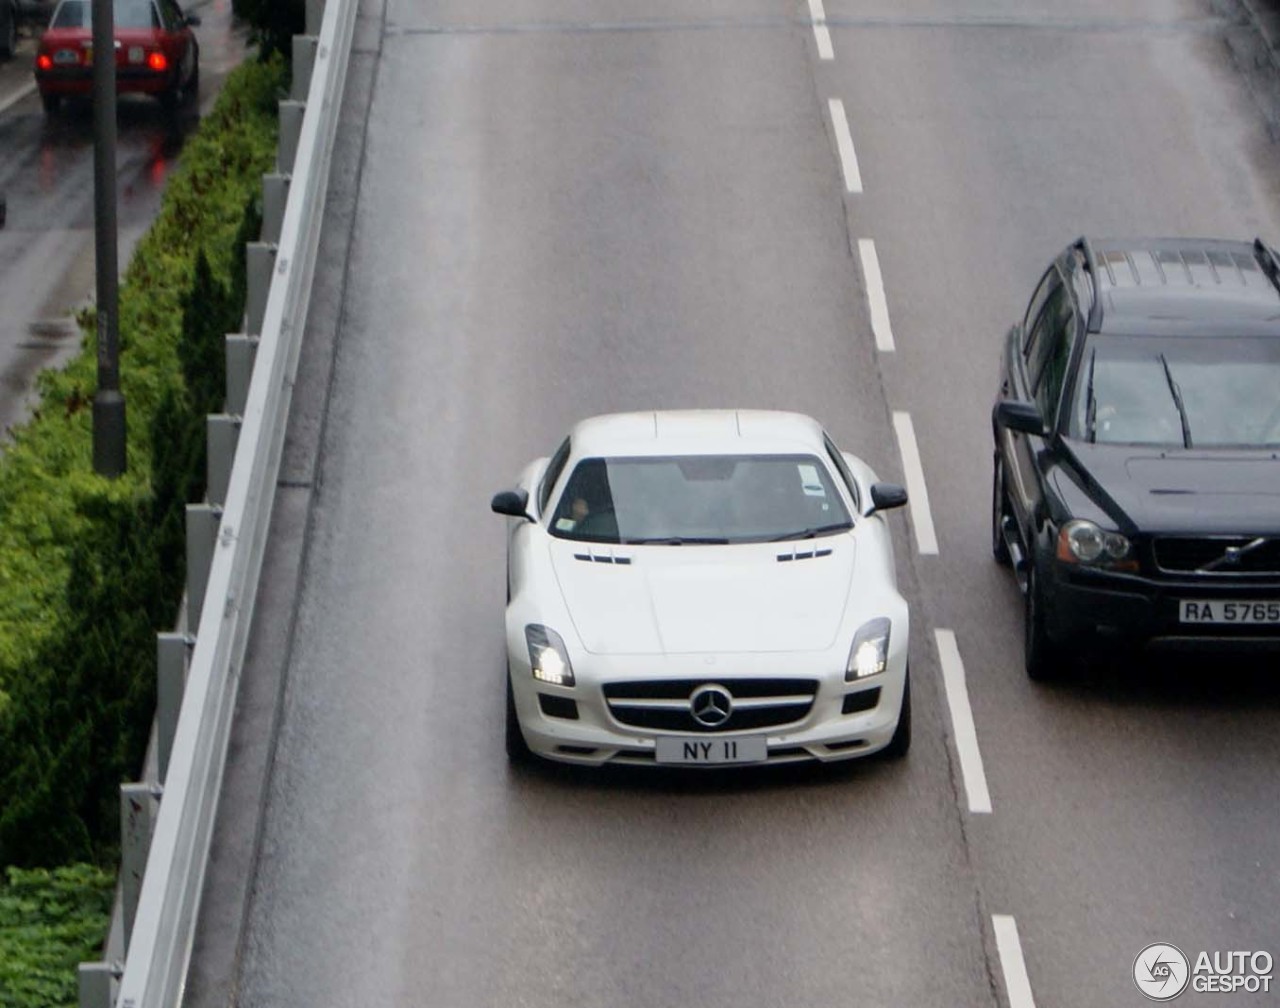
pixel 1020 416
pixel 192 20
pixel 885 497
pixel 514 503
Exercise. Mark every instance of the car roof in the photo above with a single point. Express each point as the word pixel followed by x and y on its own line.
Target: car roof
pixel 1189 286
pixel 697 432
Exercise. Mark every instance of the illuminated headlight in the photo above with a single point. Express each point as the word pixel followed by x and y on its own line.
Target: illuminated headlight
pixel 870 652
pixel 548 659
pixel 1084 542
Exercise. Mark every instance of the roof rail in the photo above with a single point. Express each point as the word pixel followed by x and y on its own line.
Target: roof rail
pixel 1266 257
pixel 1091 264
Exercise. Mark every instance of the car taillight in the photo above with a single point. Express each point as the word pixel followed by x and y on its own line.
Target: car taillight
pixel 157 61
pixel 44 62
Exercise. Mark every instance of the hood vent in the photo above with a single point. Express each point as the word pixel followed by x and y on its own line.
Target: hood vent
pixel 785 557
pixel 608 558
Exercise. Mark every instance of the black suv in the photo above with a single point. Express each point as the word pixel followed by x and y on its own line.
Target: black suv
pixel 1137 450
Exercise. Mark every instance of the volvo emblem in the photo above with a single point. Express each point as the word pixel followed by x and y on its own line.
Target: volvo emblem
pixel 710 705
pixel 1233 554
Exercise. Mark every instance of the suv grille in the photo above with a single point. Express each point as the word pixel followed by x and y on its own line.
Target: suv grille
pixel 664 704
pixel 1222 556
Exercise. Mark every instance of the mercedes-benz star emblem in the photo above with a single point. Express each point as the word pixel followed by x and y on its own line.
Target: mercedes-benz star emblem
pixel 711 705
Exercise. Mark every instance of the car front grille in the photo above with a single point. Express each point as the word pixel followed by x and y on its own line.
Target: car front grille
pixel 1218 556
pixel 664 704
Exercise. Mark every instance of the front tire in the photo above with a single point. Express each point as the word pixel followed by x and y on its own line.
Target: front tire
pixel 999 511
pixel 901 741
pixel 1045 660
pixel 518 751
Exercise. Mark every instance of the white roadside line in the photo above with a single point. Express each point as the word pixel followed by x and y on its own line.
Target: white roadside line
pixel 1016 983
pixel 917 495
pixel 877 304
pixel 820 32
pixel 17 96
pixel 844 144
pixel 966 735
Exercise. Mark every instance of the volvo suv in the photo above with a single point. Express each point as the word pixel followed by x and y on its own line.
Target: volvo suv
pixel 1136 490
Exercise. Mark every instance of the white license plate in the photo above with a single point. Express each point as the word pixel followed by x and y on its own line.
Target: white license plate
pixel 709 751
pixel 1218 611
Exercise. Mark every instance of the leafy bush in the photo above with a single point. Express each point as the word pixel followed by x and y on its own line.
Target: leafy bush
pixel 49 922
pixel 90 568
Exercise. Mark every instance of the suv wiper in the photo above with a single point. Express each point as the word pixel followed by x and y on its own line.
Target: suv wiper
pixel 816 530
pixel 1091 402
pixel 677 541
pixel 1177 399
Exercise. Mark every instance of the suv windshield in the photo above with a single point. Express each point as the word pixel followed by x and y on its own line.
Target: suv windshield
pixel 699 499
pixel 1183 392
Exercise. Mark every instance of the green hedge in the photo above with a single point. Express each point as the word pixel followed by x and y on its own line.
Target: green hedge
pixel 49 922
pixel 91 569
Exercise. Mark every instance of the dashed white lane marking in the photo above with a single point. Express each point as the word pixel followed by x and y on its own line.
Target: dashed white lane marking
pixel 844 144
pixel 1016 983
pixel 917 495
pixel 820 31
pixel 16 96
pixel 975 779
pixel 877 304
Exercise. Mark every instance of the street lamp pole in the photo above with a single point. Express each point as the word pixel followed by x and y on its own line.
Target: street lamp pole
pixel 108 401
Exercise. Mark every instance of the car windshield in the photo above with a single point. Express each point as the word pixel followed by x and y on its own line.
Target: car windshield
pixel 1184 392
pixel 699 500
pixel 127 14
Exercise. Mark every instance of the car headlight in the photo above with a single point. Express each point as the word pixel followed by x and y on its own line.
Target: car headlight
pixel 1084 542
pixel 548 658
pixel 870 652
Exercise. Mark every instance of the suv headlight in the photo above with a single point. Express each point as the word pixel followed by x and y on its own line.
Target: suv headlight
pixel 1084 542
pixel 548 659
pixel 870 652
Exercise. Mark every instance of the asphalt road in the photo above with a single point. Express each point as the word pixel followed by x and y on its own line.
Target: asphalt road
pixel 549 209
pixel 46 173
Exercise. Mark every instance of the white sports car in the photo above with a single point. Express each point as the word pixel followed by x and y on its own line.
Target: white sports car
pixel 703 587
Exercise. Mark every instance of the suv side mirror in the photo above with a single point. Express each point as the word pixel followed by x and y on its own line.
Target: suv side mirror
pixel 514 503
pixel 886 496
pixel 192 20
pixel 1020 416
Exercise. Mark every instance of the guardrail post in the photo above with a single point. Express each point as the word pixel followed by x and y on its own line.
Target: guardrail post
pixel 242 350
pixel 97 984
pixel 275 195
pixel 222 430
pixel 202 536
pixel 137 814
pixel 315 15
pixel 304 58
pixel 172 650
pixel 290 130
pixel 259 261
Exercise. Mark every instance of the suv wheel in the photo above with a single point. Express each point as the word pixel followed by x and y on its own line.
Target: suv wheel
pixel 1046 661
pixel 999 512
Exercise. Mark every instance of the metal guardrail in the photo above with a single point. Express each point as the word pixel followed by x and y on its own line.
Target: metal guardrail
pixel 163 932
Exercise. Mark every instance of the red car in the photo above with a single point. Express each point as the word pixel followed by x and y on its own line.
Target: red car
pixel 156 52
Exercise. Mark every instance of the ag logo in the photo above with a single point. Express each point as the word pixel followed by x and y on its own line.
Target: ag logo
pixel 1161 971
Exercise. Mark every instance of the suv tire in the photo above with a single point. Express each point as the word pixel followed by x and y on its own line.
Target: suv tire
pixel 1045 660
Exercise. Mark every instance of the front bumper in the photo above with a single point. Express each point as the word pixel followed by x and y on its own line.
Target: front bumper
pixel 1103 607
pixel 595 736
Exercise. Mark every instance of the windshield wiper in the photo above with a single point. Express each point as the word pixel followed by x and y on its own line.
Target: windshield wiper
pixel 816 530
pixel 1091 402
pixel 1177 399
pixel 677 541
